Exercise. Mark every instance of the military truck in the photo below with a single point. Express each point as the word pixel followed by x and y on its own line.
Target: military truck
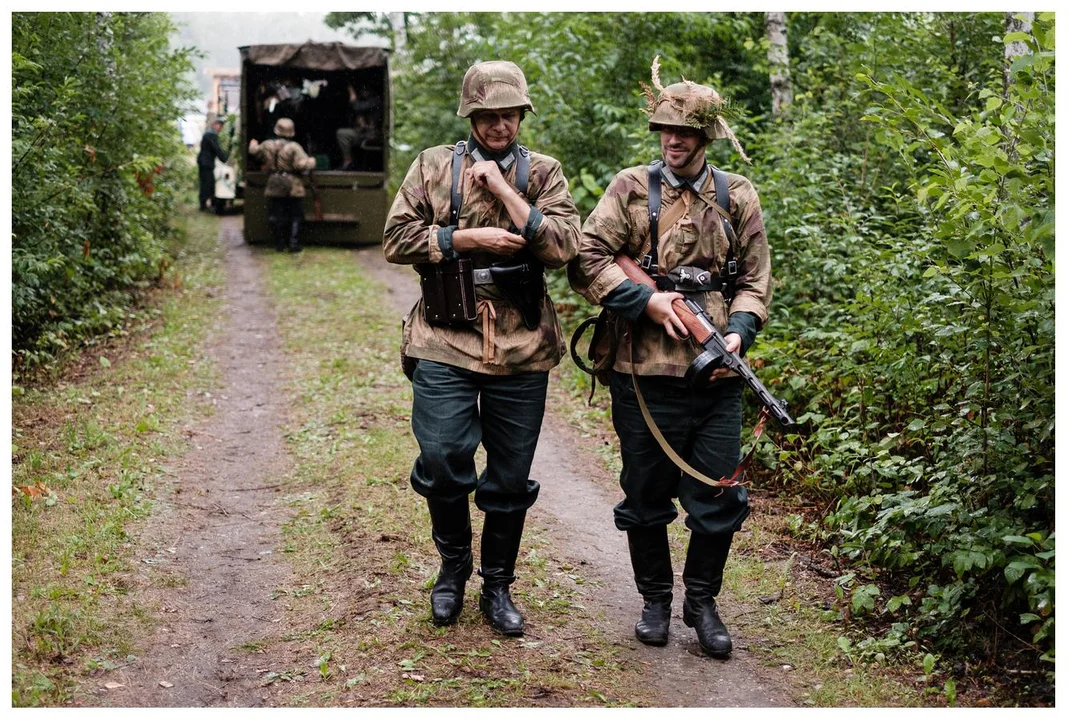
pixel 324 88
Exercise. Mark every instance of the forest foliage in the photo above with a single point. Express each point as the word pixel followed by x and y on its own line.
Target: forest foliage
pixel 909 198
pixel 908 194
pixel 96 167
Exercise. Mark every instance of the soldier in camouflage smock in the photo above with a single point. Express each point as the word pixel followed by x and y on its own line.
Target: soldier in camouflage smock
pixel 702 425
pixel 285 160
pixel 484 380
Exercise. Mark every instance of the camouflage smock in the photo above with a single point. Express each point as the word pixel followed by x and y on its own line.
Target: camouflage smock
pixel 621 222
pixel 280 155
pixel 496 342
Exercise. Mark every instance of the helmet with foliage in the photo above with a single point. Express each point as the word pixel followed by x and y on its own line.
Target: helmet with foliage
pixel 493 85
pixel 688 104
pixel 285 128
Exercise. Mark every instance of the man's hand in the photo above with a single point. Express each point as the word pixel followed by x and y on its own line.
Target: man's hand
pixel 253 145
pixel 490 239
pixel 486 174
pixel 660 311
pixel 734 344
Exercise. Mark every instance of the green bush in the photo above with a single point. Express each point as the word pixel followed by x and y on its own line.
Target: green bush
pixel 97 163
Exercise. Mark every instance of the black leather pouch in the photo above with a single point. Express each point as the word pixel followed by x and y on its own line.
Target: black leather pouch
pixel 448 292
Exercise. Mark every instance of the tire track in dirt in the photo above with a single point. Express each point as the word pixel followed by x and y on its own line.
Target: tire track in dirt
pixel 577 513
pixel 208 563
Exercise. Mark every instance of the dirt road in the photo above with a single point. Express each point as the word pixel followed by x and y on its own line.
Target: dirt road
pixel 223 527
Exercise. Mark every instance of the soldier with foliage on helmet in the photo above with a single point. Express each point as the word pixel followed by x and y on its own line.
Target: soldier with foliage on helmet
pixel 480 220
pixel 285 161
pixel 710 246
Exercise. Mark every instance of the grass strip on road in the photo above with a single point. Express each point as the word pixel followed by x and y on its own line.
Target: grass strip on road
pixel 360 537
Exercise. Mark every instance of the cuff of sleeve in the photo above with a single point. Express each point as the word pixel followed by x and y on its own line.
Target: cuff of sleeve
pixel 746 324
pixel 609 279
pixel 445 243
pixel 749 304
pixel 534 221
pixel 628 299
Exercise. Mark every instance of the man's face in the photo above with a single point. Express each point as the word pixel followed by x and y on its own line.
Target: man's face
pixel 495 130
pixel 682 148
pixel 216 126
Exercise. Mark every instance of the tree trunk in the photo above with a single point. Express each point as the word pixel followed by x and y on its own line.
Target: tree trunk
pixel 1015 22
pixel 399 22
pixel 782 92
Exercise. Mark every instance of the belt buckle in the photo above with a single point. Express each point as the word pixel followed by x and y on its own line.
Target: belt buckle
pixel 483 276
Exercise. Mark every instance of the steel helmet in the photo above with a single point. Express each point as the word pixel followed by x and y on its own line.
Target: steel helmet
pixel 285 128
pixel 688 104
pixel 493 85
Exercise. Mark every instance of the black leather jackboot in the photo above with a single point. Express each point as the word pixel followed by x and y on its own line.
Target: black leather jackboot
pixel 451 520
pixel 703 575
pixel 279 236
pixel 501 535
pixel 294 235
pixel 650 556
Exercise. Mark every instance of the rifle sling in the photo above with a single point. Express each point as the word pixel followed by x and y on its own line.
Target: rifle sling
pixel 678 460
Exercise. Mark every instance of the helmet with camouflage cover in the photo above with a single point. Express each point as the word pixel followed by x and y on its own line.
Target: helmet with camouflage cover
pixel 493 85
pixel 688 104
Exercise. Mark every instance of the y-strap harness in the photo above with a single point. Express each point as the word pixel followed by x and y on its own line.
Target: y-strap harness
pixel 522 177
pixel 688 280
pixel 691 279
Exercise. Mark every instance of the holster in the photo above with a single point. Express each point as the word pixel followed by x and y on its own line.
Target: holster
pixel 523 284
pixel 448 291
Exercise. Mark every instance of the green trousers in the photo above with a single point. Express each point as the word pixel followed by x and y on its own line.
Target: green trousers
pixel 704 427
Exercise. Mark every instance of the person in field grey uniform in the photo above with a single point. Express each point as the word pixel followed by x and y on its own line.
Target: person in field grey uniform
pixel 482 379
pixel 209 151
pixel 285 161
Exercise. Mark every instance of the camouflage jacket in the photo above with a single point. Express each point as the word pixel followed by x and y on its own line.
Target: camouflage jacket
pixel 280 155
pixel 621 222
pixel 496 342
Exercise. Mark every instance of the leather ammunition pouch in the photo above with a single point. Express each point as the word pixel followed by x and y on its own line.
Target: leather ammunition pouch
pixel 448 292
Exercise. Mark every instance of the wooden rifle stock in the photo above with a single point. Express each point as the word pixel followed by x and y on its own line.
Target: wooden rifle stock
pixel 716 354
pixel 693 324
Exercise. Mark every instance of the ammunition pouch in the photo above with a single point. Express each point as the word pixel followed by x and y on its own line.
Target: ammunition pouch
pixel 448 292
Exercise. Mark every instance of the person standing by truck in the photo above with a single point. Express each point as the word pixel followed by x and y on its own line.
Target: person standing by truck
pixel 285 160
pixel 209 150
pixel 485 215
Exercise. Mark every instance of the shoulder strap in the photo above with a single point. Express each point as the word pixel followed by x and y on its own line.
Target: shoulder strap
pixel 649 262
pixel 456 198
pixel 723 199
pixel 522 170
pixel 522 177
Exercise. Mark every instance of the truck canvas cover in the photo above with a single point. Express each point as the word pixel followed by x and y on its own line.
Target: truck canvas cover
pixel 317 56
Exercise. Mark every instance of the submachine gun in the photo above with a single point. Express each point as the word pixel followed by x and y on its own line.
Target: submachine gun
pixel 715 354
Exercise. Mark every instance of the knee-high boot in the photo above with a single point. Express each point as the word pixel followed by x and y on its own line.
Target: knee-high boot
pixel 501 535
pixel 703 575
pixel 650 556
pixel 294 236
pixel 451 520
pixel 279 236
